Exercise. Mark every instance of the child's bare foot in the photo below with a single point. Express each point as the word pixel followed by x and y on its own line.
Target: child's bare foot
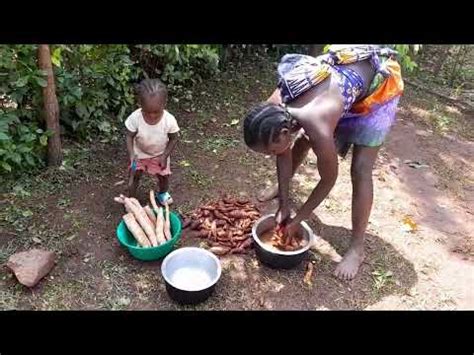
pixel 268 194
pixel 350 263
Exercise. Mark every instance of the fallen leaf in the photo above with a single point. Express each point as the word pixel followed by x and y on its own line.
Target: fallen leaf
pixel 234 122
pixel 279 287
pixel 308 274
pixel 409 225
pixel 118 183
pixel 415 164
pixel 36 240
pixel 381 177
pixel 123 301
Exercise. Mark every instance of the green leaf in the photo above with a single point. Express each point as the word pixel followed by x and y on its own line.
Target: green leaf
pixel 44 140
pixel 81 110
pixel 24 149
pixel 77 92
pixel 39 131
pixel 10 118
pixel 104 126
pixel 41 82
pixel 3 137
pixel 74 125
pixel 27 213
pixel 29 138
pixel 21 82
pixel 6 166
pixel 56 57
pixel 184 163
pixel 16 157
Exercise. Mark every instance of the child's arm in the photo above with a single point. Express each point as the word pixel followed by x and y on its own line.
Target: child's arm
pixel 173 139
pixel 130 136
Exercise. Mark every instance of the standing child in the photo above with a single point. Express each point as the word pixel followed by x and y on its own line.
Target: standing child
pixel 152 133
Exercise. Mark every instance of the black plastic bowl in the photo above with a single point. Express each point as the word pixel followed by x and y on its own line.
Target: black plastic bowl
pixel 190 274
pixel 273 257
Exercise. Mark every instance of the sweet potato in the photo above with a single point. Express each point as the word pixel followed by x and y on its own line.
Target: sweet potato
pixel 206 225
pixel 214 229
pixel 220 223
pixel 187 223
pixel 224 238
pixel 219 215
pixel 238 214
pixel 201 234
pixel 241 237
pixel 245 244
pixel 227 222
pixel 226 210
pixel 224 244
pixel 227 200
pixel 242 201
pixel 219 250
pixel 136 230
pixel 195 225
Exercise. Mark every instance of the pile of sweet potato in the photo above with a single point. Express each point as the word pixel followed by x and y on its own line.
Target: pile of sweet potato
pixel 149 227
pixel 226 224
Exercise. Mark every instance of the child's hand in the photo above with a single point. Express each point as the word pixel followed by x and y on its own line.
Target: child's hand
pixel 133 163
pixel 162 161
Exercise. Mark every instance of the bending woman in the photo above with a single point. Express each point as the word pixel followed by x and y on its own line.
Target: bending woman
pixel 345 98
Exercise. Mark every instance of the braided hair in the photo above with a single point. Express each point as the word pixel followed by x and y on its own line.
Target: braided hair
pixel 150 88
pixel 264 122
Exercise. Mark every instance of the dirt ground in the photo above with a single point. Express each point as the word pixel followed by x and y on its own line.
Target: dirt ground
pixel 419 241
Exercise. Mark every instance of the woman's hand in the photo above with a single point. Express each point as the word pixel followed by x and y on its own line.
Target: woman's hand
pixel 291 230
pixel 282 215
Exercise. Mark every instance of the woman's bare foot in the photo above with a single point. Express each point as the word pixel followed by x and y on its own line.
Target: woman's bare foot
pixel 350 263
pixel 268 194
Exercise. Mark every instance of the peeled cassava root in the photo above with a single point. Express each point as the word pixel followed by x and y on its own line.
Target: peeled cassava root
pixel 226 224
pixel 149 228
pixel 136 230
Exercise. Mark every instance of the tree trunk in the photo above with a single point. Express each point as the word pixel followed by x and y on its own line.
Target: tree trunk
pixel 51 107
pixel 315 49
pixel 442 58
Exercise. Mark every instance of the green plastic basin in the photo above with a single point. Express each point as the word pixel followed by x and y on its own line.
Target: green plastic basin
pixel 127 240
